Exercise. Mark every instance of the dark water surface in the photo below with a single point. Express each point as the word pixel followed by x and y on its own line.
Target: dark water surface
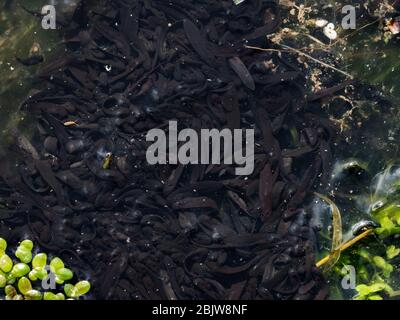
pixel 132 234
pixel 20 33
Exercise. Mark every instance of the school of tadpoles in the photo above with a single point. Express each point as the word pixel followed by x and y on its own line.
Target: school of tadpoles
pixel 82 189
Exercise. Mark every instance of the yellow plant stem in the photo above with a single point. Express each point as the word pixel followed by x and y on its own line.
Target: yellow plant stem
pixel 346 245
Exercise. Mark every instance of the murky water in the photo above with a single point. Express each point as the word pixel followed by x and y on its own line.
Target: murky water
pixel 365 149
pixel 366 56
pixel 20 33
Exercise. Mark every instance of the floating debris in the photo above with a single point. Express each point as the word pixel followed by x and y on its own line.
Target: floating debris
pixel 107 160
pixel 394 25
pixel 70 123
pixel 330 32
pixel 320 23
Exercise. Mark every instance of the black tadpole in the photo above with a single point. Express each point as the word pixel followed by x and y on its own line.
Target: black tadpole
pixel 31 61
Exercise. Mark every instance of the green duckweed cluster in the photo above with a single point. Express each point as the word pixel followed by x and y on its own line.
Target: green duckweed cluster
pixel 21 278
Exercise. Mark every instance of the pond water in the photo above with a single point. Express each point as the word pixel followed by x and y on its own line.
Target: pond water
pixel 365 55
pixel 20 33
pixel 371 145
pixel 368 144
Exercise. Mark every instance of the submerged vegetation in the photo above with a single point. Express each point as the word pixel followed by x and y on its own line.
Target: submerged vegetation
pixel 23 277
pixel 367 143
pixel 375 259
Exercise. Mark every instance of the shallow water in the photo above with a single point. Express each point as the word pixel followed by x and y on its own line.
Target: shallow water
pixel 374 62
pixel 19 32
pixel 369 136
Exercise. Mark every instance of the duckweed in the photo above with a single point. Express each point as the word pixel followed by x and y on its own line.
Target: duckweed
pixel 21 280
pixel 20 270
pixel 24 285
pixel 52 296
pixel 80 289
pixel 24 251
pixel 6 263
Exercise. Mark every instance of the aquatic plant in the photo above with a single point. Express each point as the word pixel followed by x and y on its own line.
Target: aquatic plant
pixel 375 258
pixel 20 281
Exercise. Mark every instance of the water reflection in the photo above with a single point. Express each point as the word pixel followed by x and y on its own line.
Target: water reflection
pixel 20 33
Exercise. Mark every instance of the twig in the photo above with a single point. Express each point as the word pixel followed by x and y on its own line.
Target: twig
pixel 304 55
pixel 262 49
pixel 354 32
pixel 316 60
pixel 345 246
pixel 361 28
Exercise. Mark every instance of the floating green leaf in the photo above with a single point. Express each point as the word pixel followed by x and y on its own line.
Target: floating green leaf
pixel 38 273
pixel 27 244
pixel 24 285
pixel 64 274
pixel 83 287
pixel 392 252
pixel 10 291
pixel 39 261
pixel 6 263
pixel 20 270
pixel 24 255
pixel 364 290
pixel 24 251
pixel 70 291
pixel 33 295
pixel 381 263
pixel 388 228
pixel 50 296
pixel 3 280
pixel 3 244
pixel 56 264
pixel 60 296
